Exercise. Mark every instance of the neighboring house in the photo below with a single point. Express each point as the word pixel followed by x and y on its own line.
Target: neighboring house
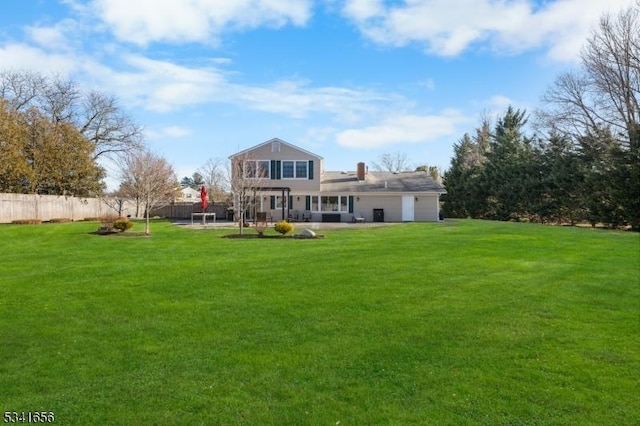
pixel 293 185
pixel 189 195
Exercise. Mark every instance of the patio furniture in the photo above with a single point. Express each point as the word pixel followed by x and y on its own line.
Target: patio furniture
pixel 359 219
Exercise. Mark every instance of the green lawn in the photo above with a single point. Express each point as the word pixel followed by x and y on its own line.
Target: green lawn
pixel 461 323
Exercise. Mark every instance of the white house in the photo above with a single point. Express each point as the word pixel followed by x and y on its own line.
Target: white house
pixel 189 195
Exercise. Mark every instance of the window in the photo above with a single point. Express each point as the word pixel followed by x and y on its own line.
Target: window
pixel 295 169
pixel 275 146
pixel 263 169
pixel 344 203
pixel 256 169
pixel 330 203
pixel 301 169
pixel 249 169
pixel 278 202
pixel 287 170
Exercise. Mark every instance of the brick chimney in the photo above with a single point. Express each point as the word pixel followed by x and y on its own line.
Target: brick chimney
pixel 360 171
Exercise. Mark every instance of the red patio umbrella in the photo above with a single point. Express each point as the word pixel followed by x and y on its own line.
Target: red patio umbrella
pixel 203 198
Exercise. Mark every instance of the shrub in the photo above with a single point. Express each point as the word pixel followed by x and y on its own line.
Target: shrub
pixel 27 222
pixel 108 221
pixel 122 224
pixel 60 220
pixel 283 227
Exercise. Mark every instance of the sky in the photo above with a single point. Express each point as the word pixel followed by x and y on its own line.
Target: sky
pixel 348 80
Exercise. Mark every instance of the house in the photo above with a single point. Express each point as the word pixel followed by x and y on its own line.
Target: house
pixel 288 182
pixel 188 195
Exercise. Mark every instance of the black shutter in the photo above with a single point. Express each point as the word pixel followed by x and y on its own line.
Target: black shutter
pixel 290 201
pixel 307 205
pixel 310 170
pixel 350 203
pixel 273 202
pixel 273 169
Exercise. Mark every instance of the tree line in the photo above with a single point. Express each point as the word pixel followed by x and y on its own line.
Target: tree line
pixel 580 159
pixel 52 134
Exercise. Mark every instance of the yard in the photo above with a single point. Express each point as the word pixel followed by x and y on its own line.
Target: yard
pixel 466 322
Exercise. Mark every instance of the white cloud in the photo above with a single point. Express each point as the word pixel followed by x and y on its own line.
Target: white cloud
pixel 20 57
pixel 145 21
pixel 163 86
pixel 499 103
pixel 448 28
pixel 405 129
pixel 428 83
pixel 169 132
pixel 297 99
pixel 49 37
pixel 564 26
pixel 361 10
pixel 176 131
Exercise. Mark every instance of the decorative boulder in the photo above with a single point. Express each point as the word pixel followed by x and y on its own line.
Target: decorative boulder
pixel 307 233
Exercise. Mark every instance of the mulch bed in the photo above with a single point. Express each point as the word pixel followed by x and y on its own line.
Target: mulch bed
pixel 120 234
pixel 267 237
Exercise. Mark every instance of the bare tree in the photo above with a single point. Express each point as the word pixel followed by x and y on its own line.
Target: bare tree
pixel 215 179
pixel 598 107
pixel 59 99
pixel 246 178
pixel 98 117
pixel 148 178
pixel 107 126
pixel 20 90
pixel 392 162
pixel 605 92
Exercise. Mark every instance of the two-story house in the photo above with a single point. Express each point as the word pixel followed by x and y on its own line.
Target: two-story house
pixel 288 182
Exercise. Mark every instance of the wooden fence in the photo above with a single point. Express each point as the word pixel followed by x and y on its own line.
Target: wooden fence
pixel 48 207
pixel 183 210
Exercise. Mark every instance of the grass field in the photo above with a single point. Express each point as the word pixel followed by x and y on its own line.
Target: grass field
pixel 461 323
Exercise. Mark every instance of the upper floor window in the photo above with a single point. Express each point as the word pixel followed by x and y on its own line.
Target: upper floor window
pixel 275 146
pixel 295 169
pixel 301 169
pixel 263 168
pixel 257 169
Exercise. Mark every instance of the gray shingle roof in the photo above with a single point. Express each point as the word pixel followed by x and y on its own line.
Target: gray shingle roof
pixel 347 182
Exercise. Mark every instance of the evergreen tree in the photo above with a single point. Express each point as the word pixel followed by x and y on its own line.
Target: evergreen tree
pixel 599 153
pixel 197 180
pixel 508 176
pixel 562 197
pixel 466 196
pixel 457 180
pixel 598 106
pixel 186 182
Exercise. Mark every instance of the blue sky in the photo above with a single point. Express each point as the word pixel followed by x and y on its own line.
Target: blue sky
pixel 348 80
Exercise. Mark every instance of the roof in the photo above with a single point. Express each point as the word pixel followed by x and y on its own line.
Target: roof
pixel 380 182
pixel 269 142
